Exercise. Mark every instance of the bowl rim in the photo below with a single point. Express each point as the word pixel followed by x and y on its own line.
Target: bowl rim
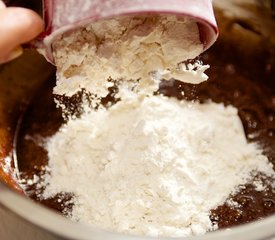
pixel 51 222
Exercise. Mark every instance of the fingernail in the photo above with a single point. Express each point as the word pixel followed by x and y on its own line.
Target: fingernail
pixel 14 54
pixel 2 5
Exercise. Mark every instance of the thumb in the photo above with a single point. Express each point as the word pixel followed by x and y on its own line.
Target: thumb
pixel 17 26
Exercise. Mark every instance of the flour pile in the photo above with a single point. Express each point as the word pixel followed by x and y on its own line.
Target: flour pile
pixel 154 167
pixel 148 164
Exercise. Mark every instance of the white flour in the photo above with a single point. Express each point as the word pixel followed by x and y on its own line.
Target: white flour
pixel 128 48
pixel 154 167
pixel 148 164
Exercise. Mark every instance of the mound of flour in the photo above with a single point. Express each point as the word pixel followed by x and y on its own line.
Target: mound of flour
pixel 155 166
pixel 146 165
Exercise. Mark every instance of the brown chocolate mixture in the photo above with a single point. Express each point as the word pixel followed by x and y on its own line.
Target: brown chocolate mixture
pixel 249 86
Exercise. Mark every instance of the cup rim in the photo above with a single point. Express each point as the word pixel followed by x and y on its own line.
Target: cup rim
pixel 203 14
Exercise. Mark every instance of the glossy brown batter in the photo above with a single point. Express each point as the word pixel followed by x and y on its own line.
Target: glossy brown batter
pixel 245 83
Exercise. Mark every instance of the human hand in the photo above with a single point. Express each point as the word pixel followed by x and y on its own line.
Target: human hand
pixel 17 26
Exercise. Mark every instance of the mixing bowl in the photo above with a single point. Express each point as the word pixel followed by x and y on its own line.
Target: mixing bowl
pixel 246 40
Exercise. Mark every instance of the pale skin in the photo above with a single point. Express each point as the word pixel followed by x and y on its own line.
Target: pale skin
pixel 17 26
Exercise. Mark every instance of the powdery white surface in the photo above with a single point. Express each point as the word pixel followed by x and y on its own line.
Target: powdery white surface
pixel 154 166
pixel 144 48
pixel 147 165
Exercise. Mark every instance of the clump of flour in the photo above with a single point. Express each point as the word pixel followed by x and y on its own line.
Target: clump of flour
pixel 144 48
pixel 148 164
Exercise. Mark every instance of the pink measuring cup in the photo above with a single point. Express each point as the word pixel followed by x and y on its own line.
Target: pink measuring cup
pixel 63 15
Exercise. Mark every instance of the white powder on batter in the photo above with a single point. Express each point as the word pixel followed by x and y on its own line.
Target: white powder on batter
pixel 147 165
pixel 144 48
pixel 155 166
